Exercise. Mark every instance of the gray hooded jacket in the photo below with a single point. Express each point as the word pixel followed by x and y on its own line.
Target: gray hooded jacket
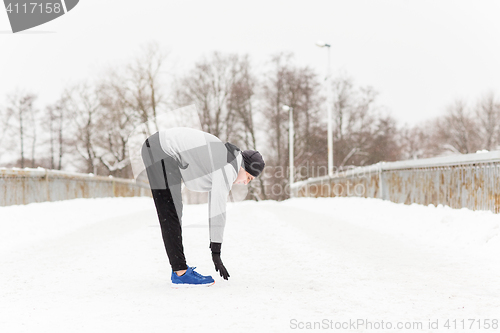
pixel 206 165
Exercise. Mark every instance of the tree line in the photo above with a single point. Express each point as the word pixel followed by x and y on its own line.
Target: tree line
pixel 86 129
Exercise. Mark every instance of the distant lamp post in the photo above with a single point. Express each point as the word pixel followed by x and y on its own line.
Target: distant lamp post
pixel 329 101
pixel 290 141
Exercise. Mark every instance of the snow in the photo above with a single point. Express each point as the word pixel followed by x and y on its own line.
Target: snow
pixel 98 265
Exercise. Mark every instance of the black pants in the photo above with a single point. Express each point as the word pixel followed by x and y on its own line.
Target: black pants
pixel 165 182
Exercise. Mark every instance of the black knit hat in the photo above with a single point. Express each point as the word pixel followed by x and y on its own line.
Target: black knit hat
pixel 254 163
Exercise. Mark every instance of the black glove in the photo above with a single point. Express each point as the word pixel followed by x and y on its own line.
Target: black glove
pixel 219 266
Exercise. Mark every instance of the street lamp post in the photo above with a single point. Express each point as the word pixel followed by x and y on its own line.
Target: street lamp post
pixel 329 102
pixel 290 142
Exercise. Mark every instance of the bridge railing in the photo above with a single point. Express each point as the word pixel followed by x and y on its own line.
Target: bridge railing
pixel 469 180
pixel 24 186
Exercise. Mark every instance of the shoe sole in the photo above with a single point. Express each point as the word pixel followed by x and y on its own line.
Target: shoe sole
pixel 190 285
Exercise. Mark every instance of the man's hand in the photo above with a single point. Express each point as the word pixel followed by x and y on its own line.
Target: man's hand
pixel 219 266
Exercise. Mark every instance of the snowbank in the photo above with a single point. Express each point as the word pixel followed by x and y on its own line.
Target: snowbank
pixel 440 227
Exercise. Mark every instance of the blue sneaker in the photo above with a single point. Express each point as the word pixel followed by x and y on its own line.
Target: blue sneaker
pixel 191 278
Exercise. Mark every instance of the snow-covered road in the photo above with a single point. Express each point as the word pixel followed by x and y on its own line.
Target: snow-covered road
pixel 98 265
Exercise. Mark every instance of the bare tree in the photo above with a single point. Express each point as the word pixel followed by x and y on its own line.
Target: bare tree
pixel 487 113
pixel 49 125
pixel 21 114
pixel 210 85
pixel 460 130
pixel 112 132
pixel 361 134
pixel 309 140
pixel 137 89
pixel 55 124
pixel 415 141
pixel 84 108
pixel 129 96
pixel 33 124
pixel 4 126
pixel 240 101
pixel 275 95
pixel 297 87
pixel 222 87
pixel 383 144
pixel 456 131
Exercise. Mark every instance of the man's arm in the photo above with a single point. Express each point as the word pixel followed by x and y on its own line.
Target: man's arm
pixel 217 216
pixel 217 203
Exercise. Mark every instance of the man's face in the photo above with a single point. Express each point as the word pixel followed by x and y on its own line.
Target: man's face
pixel 249 178
pixel 243 177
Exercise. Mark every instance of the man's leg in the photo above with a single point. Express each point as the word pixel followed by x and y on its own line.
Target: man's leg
pixel 169 207
pixel 165 181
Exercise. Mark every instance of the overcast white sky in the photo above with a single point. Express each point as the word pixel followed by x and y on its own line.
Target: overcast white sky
pixel 419 55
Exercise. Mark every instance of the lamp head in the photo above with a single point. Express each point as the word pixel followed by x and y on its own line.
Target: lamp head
pixel 321 43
